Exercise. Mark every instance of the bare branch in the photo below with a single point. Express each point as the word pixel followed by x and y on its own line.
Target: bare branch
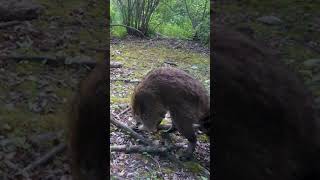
pixel 129 28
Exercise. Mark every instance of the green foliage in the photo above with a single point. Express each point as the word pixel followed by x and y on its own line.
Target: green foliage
pixel 195 13
pixel 203 31
pixel 116 19
pixel 193 166
pixel 118 32
pixel 174 30
pixel 173 19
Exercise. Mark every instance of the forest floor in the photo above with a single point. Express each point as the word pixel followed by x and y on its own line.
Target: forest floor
pixel 139 57
pixel 34 96
pixel 292 28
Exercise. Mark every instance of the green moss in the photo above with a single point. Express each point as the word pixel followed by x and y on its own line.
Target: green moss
pixel 24 122
pixel 193 167
pixel 166 170
pixel 151 57
pixel 203 138
pixel 140 58
pixel 30 67
pixel 62 92
pixel 29 87
pixel 118 100
pixel 53 122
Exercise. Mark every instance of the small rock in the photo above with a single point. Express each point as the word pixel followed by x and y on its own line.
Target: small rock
pixel 270 20
pixel 7 127
pixel 194 67
pixel 115 64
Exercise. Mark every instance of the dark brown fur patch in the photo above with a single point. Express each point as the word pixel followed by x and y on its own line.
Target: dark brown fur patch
pixel 264 123
pixel 88 127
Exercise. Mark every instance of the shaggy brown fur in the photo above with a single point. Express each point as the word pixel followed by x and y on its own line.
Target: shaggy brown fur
pixel 173 90
pixel 264 124
pixel 88 127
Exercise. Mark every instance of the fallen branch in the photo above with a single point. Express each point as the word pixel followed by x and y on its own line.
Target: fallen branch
pixel 122 25
pixel 130 131
pixel 150 143
pixel 170 63
pixel 126 80
pixel 145 141
pixel 162 36
pixel 46 158
pixel 124 111
pixel 138 149
pixel 9 24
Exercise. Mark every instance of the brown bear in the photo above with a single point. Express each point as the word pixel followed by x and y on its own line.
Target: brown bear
pixel 88 127
pixel 264 123
pixel 171 89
